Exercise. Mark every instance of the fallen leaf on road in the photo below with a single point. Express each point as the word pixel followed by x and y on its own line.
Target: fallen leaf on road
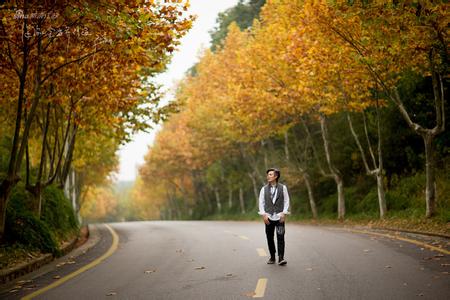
pixel 405 284
pixel 191 260
pixel 24 281
pixel 229 275
pixel 150 271
pixel 366 250
pixel 71 262
pixel 56 277
pixel 309 269
pixel 111 294
pixel 250 294
pixel 387 267
pixel 421 295
pixel 13 291
pixel 445 265
pixel 200 268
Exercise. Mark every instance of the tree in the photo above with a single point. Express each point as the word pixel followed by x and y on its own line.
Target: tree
pixel 36 48
pixel 384 36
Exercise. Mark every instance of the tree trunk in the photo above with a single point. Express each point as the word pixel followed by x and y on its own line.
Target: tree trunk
pixel 377 171
pixel 255 186
pixel 218 202
pixel 381 195
pixel 241 200
pixel 5 191
pixel 36 193
pixel 335 172
pixel 305 175
pixel 11 179
pixel 312 201
pixel 430 190
pixel 230 196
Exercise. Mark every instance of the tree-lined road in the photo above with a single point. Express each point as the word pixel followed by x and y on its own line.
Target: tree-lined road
pixel 222 260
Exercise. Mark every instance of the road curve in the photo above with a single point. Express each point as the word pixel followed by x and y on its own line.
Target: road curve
pixel 225 260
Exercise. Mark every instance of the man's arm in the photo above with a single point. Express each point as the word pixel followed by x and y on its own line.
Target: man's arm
pixel 286 203
pixel 261 201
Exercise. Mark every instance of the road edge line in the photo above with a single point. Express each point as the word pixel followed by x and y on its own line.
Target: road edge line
pixel 425 245
pixel 111 250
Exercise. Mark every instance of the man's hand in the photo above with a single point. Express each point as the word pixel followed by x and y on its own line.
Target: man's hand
pixel 282 218
pixel 266 219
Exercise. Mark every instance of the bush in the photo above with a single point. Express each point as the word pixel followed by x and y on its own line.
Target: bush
pixel 24 227
pixel 409 192
pixel 57 212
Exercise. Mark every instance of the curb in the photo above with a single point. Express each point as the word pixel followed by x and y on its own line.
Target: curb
pixel 372 227
pixel 442 235
pixel 22 269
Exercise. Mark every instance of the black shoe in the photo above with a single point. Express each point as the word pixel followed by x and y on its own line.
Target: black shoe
pixel 282 262
pixel 271 261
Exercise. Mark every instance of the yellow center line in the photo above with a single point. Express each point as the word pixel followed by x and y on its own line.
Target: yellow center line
pixel 260 288
pixel 115 243
pixel 261 252
pixel 424 245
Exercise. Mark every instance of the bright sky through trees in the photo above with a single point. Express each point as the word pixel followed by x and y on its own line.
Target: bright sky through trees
pixel 132 154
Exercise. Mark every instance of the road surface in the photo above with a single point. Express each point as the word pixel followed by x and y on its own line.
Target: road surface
pixel 227 260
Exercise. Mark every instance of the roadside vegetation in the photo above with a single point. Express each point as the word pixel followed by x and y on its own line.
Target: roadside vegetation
pixel 76 81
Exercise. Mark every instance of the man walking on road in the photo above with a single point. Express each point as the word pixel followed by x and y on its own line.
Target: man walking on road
pixel 273 207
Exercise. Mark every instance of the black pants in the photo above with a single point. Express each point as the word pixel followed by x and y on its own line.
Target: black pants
pixel 270 230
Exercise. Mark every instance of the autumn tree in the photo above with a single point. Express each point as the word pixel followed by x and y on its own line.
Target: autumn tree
pixel 47 49
pixel 384 36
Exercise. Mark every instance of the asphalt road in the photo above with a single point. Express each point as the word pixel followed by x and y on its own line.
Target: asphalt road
pixel 224 260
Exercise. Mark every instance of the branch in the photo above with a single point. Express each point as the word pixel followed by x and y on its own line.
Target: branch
pixel 358 143
pixel 68 63
pixel 369 144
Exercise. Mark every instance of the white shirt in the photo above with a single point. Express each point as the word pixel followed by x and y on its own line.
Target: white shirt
pixel 274 216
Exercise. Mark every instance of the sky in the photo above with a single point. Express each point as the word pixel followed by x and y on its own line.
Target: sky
pixel 198 38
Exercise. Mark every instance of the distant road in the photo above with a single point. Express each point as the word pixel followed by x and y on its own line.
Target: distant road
pixel 224 260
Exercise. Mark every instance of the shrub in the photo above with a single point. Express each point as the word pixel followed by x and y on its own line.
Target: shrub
pixel 57 212
pixel 24 227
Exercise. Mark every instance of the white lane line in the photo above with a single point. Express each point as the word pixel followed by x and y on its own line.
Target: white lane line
pixel 260 288
pixel 261 252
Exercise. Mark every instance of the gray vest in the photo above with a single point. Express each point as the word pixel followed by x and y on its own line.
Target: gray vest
pixel 269 206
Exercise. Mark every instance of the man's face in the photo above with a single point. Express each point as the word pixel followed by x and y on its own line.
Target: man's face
pixel 271 177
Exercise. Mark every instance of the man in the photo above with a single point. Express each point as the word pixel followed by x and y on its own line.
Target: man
pixel 273 207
